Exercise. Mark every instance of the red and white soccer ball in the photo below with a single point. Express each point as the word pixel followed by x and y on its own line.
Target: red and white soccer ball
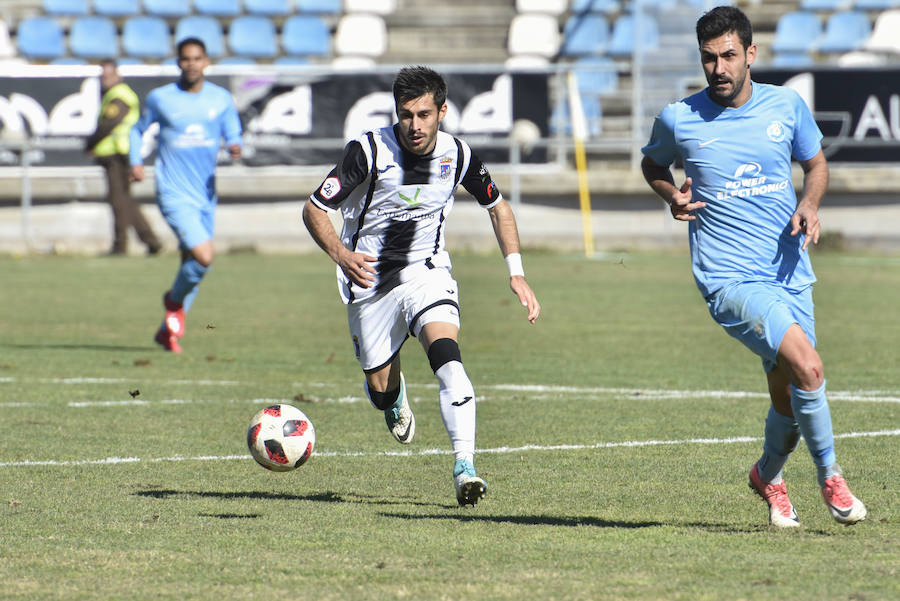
pixel 281 438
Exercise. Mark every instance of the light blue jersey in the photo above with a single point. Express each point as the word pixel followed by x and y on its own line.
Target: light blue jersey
pixel 191 128
pixel 740 162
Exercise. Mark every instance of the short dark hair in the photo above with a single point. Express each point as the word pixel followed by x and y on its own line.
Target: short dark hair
pixel 191 41
pixel 412 82
pixel 721 20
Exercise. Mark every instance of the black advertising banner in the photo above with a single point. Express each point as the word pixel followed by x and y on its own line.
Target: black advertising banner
pixel 857 110
pixel 288 119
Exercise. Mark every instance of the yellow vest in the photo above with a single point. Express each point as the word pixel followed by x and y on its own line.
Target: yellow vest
pixel 117 142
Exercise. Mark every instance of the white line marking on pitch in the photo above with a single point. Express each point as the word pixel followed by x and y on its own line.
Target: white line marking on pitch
pixel 432 451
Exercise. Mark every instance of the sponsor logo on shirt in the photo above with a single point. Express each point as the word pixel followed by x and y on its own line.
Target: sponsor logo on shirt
pixel 193 136
pixel 747 181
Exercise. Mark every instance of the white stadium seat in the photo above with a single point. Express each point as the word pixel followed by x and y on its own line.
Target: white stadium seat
pixel 550 7
pixel 534 34
pixel 885 36
pixel 360 35
pixel 378 7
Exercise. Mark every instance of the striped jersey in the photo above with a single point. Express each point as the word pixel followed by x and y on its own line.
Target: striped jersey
pixel 394 203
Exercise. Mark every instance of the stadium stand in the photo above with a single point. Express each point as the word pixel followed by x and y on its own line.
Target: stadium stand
pixel 885 37
pixel 41 38
pixel 117 8
pixel 533 34
pixel 322 7
pixel 360 35
pixel 205 27
pixel 93 37
pixel 549 7
pixel 304 36
pixel 66 7
pixel 845 31
pixel 218 8
pixel 168 8
pixel 378 7
pixel 585 35
pixel 252 36
pixel 876 4
pixel 146 37
pixel 825 5
pixel 625 33
pixel 606 7
pixel 268 8
pixel 797 32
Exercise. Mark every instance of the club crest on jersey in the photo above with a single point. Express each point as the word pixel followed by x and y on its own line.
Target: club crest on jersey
pixel 330 188
pixel 775 131
pixel 446 164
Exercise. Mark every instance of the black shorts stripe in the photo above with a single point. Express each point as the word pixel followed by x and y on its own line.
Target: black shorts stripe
pixel 444 301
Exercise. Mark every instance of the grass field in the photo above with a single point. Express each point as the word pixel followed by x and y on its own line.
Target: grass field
pixel 615 435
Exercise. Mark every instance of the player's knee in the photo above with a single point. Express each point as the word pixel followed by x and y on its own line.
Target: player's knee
pixel 443 351
pixel 809 373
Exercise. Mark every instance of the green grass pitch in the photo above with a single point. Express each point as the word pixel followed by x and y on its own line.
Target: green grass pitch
pixel 615 435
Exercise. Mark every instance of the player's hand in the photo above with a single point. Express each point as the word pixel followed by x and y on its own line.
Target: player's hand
pixel 235 151
pixel 526 296
pixel 681 203
pixel 137 173
pixel 357 268
pixel 805 220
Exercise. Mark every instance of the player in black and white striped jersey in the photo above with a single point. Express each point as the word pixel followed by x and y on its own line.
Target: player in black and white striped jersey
pixel 394 187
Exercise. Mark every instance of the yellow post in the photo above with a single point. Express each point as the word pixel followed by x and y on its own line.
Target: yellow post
pixel 579 133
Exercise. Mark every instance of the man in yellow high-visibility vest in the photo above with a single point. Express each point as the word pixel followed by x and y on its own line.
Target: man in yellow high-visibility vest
pixel 119 110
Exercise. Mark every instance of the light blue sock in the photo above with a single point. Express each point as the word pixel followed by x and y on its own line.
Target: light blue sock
pixel 782 435
pixel 184 288
pixel 812 413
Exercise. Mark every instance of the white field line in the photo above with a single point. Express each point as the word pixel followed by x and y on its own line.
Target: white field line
pixel 432 451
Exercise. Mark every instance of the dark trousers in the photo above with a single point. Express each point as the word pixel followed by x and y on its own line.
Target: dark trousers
pixel 126 211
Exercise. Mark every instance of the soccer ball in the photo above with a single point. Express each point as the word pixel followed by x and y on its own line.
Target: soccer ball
pixel 281 438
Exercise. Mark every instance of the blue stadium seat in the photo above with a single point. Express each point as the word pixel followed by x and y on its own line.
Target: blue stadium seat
pixel 796 32
pixel 117 8
pixel 322 7
pixel 167 8
pixel 68 60
pixel 624 36
pixel 596 75
pixel 253 36
pixel 66 7
pixel 40 38
pixel 561 122
pixel 845 31
pixel 236 60
pixel 269 8
pixel 876 4
pixel 305 35
pixel 218 8
pixel 291 61
pixel 792 59
pixel 585 35
pixel 146 37
pixel 606 7
pixel 93 37
pixel 205 27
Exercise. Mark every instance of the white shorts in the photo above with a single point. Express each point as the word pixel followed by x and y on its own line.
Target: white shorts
pixel 380 325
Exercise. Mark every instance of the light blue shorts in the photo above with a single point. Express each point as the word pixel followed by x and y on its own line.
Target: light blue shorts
pixel 760 313
pixel 192 225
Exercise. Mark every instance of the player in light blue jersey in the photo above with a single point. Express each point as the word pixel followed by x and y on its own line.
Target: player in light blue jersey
pixel 193 116
pixel 749 236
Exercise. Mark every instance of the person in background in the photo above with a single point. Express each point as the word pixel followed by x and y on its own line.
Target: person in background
pixel 119 110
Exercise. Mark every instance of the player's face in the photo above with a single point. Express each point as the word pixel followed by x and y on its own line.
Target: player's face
pixel 108 76
pixel 419 120
pixel 192 61
pixel 727 68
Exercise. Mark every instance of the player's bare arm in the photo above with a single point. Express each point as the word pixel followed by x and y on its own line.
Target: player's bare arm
pixel 680 200
pixel 504 223
pixel 235 151
pixel 805 219
pixel 356 266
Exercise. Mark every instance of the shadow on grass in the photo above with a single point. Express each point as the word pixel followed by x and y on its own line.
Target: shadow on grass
pixel 531 520
pixel 322 497
pixel 117 348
